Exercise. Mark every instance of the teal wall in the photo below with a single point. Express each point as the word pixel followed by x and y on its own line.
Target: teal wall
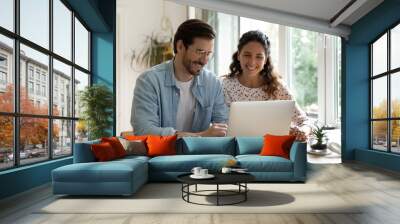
pixel 356 83
pixel 99 16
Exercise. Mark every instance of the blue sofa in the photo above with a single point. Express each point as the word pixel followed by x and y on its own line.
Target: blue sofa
pixel 125 176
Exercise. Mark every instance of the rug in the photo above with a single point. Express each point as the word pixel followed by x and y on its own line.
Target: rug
pixel 166 198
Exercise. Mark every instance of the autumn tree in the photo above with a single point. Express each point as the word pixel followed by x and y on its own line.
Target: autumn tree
pixel 380 127
pixel 33 131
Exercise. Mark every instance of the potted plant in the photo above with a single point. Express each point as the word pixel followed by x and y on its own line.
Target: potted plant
pixel 96 102
pixel 319 138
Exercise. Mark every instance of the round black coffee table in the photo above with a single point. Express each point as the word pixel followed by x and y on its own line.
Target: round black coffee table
pixel 238 179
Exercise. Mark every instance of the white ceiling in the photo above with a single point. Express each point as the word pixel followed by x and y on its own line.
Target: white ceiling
pixel 316 15
pixel 317 9
pixel 320 9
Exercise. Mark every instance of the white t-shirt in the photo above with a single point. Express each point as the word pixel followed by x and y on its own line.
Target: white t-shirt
pixel 184 116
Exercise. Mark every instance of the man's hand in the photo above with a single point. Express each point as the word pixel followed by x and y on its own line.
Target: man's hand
pixel 215 130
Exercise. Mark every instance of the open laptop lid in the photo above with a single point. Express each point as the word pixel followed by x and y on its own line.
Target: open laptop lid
pixel 257 118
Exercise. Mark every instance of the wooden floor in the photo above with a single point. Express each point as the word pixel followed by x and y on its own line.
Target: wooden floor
pixel 378 188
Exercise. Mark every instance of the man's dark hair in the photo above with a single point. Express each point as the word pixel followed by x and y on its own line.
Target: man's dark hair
pixel 190 29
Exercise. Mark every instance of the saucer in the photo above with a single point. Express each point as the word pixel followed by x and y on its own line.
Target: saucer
pixel 208 176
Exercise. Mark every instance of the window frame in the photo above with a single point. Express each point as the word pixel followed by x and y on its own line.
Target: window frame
pixel 15 72
pixel 388 74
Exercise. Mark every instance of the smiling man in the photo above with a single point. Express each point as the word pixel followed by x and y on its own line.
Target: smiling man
pixel 179 96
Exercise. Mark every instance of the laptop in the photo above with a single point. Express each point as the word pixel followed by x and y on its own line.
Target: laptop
pixel 257 118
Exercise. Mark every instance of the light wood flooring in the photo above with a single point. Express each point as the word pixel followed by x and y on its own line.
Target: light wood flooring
pixel 377 188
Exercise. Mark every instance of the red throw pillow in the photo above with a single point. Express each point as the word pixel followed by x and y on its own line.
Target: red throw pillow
pixel 275 145
pixel 116 145
pixel 161 145
pixel 103 151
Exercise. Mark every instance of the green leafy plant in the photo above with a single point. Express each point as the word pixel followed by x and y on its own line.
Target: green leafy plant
pixel 320 137
pixel 96 102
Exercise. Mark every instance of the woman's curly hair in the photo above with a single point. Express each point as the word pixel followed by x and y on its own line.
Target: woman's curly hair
pixel 270 78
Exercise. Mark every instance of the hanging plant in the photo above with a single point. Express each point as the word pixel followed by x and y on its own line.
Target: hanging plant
pixel 157 48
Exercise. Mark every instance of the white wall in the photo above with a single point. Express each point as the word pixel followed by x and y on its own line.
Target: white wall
pixel 135 20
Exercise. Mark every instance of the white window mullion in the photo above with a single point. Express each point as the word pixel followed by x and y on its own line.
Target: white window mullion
pixel 284 58
pixel 330 81
pixel 321 70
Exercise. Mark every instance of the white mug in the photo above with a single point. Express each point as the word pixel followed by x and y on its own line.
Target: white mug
pixel 203 172
pixel 196 170
pixel 226 170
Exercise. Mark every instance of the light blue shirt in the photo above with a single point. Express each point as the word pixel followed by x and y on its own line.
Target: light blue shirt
pixel 156 98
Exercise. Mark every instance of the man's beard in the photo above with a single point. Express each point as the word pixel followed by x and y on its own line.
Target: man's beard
pixel 193 67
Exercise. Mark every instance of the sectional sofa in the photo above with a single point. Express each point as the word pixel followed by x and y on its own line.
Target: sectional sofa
pixel 125 176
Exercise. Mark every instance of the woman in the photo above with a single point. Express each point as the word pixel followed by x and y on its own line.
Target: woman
pixel 252 78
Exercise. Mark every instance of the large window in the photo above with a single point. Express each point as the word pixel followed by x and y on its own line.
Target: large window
pixel 308 61
pixel 385 94
pixel 44 64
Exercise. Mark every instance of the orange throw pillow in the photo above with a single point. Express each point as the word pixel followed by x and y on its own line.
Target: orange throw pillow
pixel 103 151
pixel 116 145
pixel 136 137
pixel 275 145
pixel 161 145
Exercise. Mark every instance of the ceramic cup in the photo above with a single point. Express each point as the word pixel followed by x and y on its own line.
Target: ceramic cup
pixel 203 172
pixel 196 171
pixel 226 170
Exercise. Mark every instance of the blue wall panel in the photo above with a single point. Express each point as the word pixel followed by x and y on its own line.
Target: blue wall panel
pixel 356 69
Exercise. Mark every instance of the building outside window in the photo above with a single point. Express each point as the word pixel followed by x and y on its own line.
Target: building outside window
pixel 56 135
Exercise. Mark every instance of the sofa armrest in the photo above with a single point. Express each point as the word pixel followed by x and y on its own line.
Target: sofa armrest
pixel 83 152
pixel 298 155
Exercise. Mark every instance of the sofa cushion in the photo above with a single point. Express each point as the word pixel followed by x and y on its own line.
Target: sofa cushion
pixel 116 145
pixel 249 145
pixel 111 171
pixel 185 163
pixel 257 163
pixel 208 145
pixel 134 147
pixel 277 145
pixel 161 145
pixel 103 152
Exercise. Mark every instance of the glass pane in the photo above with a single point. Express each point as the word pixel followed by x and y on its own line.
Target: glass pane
pixel 379 55
pixel 395 136
pixel 395 47
pixel 34 81
pixel 6 74
pixel 395 94
pixel 62 29
pixel 81 45
pixel 379 135
pixel 227 29
pixel 6 142
pixel 62 89
pixel 35 21
pixel 62 141
pixel 7 14
pixel 304 83
pixel 81 131
pixel 81 81
pixel 33 139
pixel 379 98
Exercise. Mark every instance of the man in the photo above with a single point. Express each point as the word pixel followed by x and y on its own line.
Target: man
pixel 179 96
